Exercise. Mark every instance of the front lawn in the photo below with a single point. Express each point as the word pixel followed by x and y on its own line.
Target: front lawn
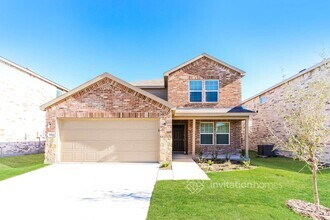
pixel 13 166
pixel 251 194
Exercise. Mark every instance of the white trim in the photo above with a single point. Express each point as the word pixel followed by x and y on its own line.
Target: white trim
pixel 200 132
pixel 247 138
pixel 195 90
pixel 216 141
pixel 210 114
pixel 214 118
pixel 193 147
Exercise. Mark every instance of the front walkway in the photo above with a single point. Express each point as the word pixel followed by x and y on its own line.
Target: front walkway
pixel 183 168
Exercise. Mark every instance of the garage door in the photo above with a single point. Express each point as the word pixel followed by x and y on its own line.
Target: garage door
pixel 109 140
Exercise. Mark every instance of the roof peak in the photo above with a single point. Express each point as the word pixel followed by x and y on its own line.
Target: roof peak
pixel 201 56
pixel 300 73
pixel 31 72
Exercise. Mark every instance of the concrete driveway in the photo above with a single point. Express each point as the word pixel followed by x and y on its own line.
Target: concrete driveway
pixel 80 191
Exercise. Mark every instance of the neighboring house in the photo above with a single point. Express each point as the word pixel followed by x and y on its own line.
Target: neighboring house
pixel 267 101
pixel 194 107
pixel 22 123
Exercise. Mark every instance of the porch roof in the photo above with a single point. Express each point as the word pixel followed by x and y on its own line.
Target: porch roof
pixel 213 112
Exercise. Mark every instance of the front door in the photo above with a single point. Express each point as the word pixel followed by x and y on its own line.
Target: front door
pixel 178 136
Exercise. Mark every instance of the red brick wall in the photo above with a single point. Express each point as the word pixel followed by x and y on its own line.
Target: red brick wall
pixel 109 99
pixel 204 68
pixel 235 137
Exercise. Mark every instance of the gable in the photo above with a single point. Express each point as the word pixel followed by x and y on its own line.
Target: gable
pixel 106 88
pixel 207 58
pixel 205 67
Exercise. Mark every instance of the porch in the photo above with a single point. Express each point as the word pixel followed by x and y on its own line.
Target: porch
pixel 211 133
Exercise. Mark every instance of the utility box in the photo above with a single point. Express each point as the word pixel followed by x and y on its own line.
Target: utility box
pixel 265 150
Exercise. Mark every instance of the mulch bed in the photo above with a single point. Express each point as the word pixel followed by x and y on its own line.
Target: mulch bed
pixel 308 209
pixel 219 167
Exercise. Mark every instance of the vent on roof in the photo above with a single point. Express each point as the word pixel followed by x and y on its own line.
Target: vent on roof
pixel 302 70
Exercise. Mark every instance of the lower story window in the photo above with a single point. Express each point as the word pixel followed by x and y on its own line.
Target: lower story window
pixel 222 133
pixel 206 132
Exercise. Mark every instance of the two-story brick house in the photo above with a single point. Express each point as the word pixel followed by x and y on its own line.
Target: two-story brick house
pixel 22 123
pixel 267 101
pixel 194 106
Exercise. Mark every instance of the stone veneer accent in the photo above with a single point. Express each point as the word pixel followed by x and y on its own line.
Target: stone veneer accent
pixel 258 132
pixel 109 99
pixel 204 68
pixel 21 148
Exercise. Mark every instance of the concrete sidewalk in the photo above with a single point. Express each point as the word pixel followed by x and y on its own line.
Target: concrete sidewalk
pixel 183 168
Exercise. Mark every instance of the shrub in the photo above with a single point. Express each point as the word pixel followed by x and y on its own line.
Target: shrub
pixel 246 163
pixel 165 164
pixel 210 162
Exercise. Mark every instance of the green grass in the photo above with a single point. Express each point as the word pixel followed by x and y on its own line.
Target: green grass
pixel 280 178
pixel 13 166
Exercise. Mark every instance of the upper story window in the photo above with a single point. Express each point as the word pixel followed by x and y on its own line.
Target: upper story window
pixel 196 90
pixel 203 91
pixel 262 100
pixel 211 90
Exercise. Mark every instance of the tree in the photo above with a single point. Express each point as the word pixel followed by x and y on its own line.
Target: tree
pixel 304 120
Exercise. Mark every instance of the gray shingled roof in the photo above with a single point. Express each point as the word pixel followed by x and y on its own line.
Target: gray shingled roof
pixel 149 83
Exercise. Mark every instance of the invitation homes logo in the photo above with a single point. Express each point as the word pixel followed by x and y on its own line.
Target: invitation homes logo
pixel 196 186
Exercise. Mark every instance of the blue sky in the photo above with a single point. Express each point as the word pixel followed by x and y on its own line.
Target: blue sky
pixel 71 42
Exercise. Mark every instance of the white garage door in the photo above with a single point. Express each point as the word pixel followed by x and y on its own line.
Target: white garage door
pixel 122 140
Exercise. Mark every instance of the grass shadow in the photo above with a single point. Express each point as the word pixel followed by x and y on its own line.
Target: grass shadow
pixel 282 163
pixel 22 161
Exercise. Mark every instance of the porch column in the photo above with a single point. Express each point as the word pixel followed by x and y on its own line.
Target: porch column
pixel 247 138
pixel 193 138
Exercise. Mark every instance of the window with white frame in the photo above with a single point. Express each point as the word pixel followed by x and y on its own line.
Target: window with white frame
pixel 211 90
pixel 222 133
pixel 203 91
pixel 206 132
pixel 196 90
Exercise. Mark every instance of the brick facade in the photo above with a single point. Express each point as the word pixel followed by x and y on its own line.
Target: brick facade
pixel 204 68
pixel 109 99
pixel 229 96
pixel 235 137
pixel 258 131
pixel 22 123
